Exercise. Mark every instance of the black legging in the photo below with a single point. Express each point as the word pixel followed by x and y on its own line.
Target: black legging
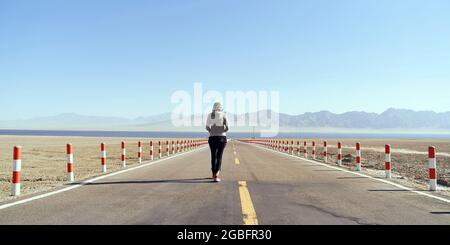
pixel 217 145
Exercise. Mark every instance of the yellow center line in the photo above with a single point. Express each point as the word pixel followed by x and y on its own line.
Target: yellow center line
pixel 248 211
pixel 236 160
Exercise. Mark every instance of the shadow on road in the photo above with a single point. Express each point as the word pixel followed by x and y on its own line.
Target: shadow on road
pixel 440 213
pixel 388 190
pixel 325 170
pixel 173 181
pixel 351 178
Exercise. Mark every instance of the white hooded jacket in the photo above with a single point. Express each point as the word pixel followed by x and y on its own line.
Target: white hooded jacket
pixel 217 123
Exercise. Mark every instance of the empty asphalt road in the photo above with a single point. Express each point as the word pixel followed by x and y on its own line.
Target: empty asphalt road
pixel 258 187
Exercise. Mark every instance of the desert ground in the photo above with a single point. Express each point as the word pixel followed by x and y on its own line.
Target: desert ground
pixel 409 156
pixel 44 159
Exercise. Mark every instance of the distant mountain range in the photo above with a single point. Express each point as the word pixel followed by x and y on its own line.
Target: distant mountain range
pixel 390 119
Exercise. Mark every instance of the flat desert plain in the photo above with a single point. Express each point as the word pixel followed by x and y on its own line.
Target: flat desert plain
pixel 44 159
pixel 409 156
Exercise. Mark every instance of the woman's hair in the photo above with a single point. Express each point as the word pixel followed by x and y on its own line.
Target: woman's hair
pixel 217 107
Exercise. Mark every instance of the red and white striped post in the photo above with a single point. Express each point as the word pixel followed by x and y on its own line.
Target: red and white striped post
pixel 139 152
pixel 167 149
pixel 314 150
pixel 298 148
pixel 103 150
pixel 325 151
pixel 173 147
pixel 305 149
pixel 159 150
pixel 17 167
pixel 388 160
pixel 178 146
pixel 151 151
pixel 432 168
pixel 292 147
pixel 339 153
pixel 70 176
pixel 124 155
pixel 358 156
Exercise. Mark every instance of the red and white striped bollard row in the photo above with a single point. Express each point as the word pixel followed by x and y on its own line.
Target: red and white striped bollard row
pixel 314 150
pixel 159 150
pixel 167 148
pixel 17 167
pixel 139 152
pixel 432 168
pixel 103 156
pixel 124 155
pixel 358 156
pixel 70 176
pixel 339 153
pixel 151 151
pixel 388 161
pixel 305 149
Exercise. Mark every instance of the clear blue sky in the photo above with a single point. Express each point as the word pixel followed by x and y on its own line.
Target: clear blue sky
pixel 118 58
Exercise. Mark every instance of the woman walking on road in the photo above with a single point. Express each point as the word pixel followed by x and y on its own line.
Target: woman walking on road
pixel 217 126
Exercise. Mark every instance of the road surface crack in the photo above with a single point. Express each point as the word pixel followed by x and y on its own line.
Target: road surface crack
pixel 356 220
